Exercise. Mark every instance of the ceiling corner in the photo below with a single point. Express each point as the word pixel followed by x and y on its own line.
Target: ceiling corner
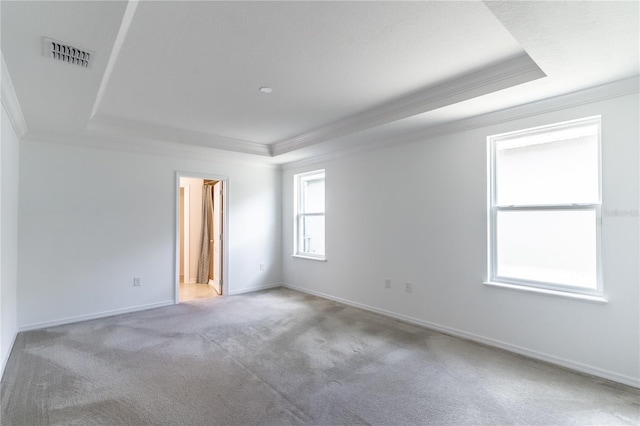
pixel 115 52
pixel 10 102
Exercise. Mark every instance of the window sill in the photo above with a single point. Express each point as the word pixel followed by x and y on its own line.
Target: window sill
pixel 317 259
pixel 585 297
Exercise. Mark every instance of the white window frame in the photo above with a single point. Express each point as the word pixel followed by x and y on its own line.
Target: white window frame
pixel 493 209
pixel 298 215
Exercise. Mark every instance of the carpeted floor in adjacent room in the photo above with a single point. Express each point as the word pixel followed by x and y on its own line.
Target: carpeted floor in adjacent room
pixel 281 357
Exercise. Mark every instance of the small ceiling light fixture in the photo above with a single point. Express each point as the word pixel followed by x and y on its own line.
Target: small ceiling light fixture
pixel 266 89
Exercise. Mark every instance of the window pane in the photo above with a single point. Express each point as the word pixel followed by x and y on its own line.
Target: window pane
pixel 556 246
pixel 532 170
pixel 313 196
pixel 311 235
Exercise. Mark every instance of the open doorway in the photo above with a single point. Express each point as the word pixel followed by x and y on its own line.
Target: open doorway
pixel 200 243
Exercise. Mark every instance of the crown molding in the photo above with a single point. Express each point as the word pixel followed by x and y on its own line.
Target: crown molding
pixel 496 77
pixel 147 146
pixel 10 102
pixel 126 129
pixel 619 88
pixel 575 99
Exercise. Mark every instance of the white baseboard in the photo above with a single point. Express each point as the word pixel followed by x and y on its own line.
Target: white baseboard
pixel 251 289
pixel 572 365
pixel 5 359
pixel 104 314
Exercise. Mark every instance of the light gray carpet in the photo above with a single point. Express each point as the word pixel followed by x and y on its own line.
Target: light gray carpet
pixel 281 357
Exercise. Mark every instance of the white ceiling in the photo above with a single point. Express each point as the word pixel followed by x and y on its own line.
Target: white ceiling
pixel 189 72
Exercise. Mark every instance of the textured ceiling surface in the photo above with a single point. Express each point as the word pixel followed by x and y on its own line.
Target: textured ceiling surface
pixel 324 61
pixel 189 72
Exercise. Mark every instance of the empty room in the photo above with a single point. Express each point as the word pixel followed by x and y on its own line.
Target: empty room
pixel 320 212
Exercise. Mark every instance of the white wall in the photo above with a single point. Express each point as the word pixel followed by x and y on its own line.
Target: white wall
pixel 195 223
pixel 8 238
pixel 417 212
pixel 92 219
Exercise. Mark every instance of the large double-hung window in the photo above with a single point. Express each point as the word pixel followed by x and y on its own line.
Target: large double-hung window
pixel 545 208
pixel 309 215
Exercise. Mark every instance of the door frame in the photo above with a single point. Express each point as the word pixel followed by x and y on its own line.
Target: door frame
pixel 186 211
pixel 225 229
pixel 218 233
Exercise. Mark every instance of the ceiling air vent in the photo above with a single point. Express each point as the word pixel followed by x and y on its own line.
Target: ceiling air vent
pixel 66 53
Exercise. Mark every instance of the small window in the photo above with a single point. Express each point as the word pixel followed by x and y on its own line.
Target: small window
pixel 309 215
pixel 545 203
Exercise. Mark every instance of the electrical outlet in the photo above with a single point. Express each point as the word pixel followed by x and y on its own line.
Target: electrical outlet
pixel 387 283
pixel 407 287
pixel 262 266
pixel 136 281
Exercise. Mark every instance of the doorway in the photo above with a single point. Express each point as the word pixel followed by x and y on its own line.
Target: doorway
pixel 201 249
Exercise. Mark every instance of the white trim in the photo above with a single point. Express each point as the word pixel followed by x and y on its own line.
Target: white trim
pixel 562 362
pixel 186 232
pixel 549 292
pixel 10 101
pixel 163 148
pixel 500 76
pixel 128 128
pixel 317 160
pixel 603 92
pixel 317 259
pixel 88 317
pixel 127 18
pixel 252 289
pixel 5 360
pixel 226 289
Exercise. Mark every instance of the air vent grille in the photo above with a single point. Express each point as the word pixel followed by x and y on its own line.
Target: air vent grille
pixel 66 53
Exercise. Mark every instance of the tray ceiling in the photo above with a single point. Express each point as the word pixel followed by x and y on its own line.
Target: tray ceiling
pixel 190 72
